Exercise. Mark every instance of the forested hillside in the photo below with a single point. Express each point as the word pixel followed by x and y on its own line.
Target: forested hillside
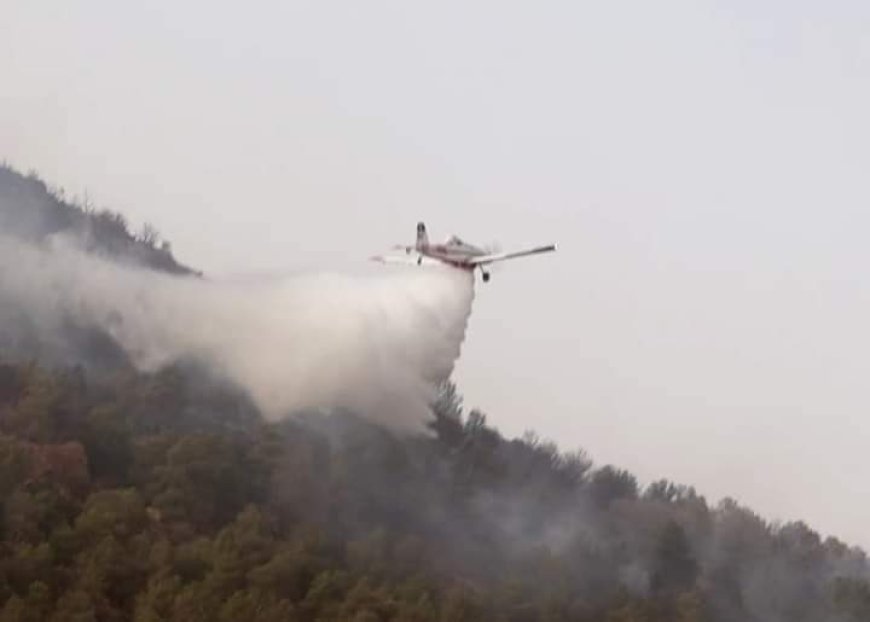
pixel 159 496
pixel 164 497
pixel 31 211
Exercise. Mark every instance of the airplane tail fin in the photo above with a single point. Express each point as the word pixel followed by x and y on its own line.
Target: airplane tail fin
pixel 422 237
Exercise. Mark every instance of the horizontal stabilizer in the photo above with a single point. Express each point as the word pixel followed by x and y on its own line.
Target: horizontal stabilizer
pixel 407 260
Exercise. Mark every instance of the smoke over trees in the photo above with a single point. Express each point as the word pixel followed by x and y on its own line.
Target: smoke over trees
pixel 130 492
pixel 375 345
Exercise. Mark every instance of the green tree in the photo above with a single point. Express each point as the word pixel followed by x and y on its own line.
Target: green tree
pixel 256 606
pixel 674 566
pixel 155 603
pixel 851 598
pixel 35 606
pixel 119 513
pixel 206 481
pixel 74 606
pixel 609 484
pixel 461 605
pixel 108 445
pixel 15 464
pixel 49 408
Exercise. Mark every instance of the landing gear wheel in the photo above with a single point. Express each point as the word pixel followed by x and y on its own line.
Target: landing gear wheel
pixel 486 277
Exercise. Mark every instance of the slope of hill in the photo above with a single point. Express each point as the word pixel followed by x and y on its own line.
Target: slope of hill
pixel 30 211
pixel 156 496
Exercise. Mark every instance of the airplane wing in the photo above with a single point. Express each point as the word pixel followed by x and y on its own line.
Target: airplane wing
pixel 484 260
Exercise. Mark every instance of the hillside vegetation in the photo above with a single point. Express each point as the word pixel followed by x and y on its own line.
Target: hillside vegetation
pixel 164 496
pixel 29 210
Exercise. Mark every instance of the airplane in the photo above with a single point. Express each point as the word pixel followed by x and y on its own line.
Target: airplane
pixel 454 252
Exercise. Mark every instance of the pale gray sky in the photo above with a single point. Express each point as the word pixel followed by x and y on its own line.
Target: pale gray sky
pixel 702 165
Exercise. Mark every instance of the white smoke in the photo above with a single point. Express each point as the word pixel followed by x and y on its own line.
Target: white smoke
pixel 373 345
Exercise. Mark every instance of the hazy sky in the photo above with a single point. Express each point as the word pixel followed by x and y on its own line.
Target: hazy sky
pixel 702 165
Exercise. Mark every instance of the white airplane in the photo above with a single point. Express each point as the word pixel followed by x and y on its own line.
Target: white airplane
pixel 456 253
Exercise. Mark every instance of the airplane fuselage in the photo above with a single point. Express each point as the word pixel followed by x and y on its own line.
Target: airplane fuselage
pixel 454 251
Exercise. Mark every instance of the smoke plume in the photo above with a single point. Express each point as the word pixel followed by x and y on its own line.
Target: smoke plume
pixel 375 345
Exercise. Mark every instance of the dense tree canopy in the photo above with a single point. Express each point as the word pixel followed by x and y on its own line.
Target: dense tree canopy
pixel 164 496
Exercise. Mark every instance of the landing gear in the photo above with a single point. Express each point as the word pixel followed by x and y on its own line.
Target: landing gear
pixel 419 260
pixel 485 276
